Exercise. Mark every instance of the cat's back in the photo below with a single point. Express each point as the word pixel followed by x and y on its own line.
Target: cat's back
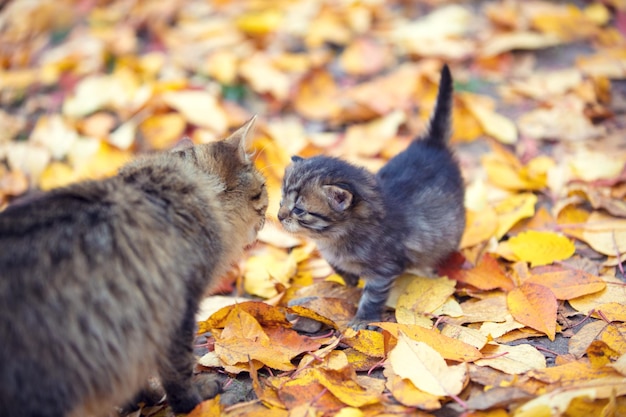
pixel 92 282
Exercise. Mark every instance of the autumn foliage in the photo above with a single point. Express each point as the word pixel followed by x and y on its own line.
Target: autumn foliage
pixel 527 319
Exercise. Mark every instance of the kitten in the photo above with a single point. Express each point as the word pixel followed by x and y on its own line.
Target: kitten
pixel 100 280
pixel 409 214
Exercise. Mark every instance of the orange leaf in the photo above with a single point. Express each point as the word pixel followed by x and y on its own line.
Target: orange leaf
pixel 534 306
pixel 486 275
pixel 317 97
pixel 479 226
pixel 568 283
pixel 208 408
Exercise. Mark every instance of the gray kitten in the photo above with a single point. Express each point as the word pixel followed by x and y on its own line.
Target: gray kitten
pixel 100 280
pixel 410 214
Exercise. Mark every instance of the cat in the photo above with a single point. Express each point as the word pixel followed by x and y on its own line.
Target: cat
pixel 410 214
pixel 100 280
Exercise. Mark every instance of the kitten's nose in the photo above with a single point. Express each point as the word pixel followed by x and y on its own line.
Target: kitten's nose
pixel 282 214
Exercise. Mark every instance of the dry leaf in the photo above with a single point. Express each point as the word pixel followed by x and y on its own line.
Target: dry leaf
pixel 566 284
pixel 198 107
pixel 425 368
pixel 514 360
pixel 535 306
pixel 541 248
pixel 514 209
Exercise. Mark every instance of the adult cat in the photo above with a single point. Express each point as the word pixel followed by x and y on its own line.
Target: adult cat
pixel 100 280
pixel 409 214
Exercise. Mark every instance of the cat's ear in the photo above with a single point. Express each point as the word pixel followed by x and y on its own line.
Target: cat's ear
pixel 296 158
pixel 182 145
pixel 338 198
pixel 242 138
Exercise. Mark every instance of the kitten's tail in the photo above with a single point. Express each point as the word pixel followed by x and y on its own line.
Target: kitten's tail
pixel 440 123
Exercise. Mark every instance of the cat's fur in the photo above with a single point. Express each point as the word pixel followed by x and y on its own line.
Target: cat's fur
pixel 410 214
pixel 100 281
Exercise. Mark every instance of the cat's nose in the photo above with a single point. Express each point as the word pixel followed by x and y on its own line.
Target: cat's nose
pixel 282 214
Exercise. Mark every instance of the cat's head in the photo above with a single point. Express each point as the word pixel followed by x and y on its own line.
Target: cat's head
pixel 321 196
pixel 244 191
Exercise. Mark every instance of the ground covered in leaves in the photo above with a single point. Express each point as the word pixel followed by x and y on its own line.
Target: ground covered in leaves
pixel 528 319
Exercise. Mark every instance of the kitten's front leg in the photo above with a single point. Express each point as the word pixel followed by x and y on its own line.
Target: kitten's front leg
pixel 349 278
pixel 372 303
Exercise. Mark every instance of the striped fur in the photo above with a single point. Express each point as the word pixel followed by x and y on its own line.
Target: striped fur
pixel 100 280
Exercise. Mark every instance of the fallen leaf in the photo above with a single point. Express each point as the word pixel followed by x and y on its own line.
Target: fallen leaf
pixel 514 360
pixel 535 306
pixel 486 275
pixel 541 248
pixel 514 209
pixel 423 295
pixel 567 283
pixel 198 107
pixel 425 368
pixel 164 130
pixel 493 124
pixel 605 234
pixel 449 348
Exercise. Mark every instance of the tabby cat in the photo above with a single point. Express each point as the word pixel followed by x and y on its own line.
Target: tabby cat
pixel 410 214
pixel 100 280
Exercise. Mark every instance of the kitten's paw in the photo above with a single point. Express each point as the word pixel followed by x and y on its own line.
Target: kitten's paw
pixel 362 324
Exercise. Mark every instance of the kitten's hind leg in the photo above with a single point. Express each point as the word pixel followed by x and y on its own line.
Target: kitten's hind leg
pixel 372 302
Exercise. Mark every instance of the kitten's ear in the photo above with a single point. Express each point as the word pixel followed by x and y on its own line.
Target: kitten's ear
pixel 182 145
pixel 296 158
pixel 242 138
pixel 338 198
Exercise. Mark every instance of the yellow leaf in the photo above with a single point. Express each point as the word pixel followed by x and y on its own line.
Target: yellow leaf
pixel 263 77
pixel 494 124
pixel 162 131
pixel 198 107
pixel 556 403
pixel 535 306
pixel 615 337
pixel 259 22
pixel 57 174
pixel 589 165
pixel 346 390
pixel 507 41
pixel 541 248
pixel 479 226
pixel 465 334
pixel 612 311
pixel 408 394
pixel 605 234
pixel 615 292
pixel 514 209
pixel 208 408
pixel 426 368
pixel 316 98
pixel 369 139
pixel 366 341
pixel 424 295
pixel 620 365
pixel 513 360
pixel 447 347
pixel 262 272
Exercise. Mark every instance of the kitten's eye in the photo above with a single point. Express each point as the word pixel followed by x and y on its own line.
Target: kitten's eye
pixel 257 197
pixel 298 211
